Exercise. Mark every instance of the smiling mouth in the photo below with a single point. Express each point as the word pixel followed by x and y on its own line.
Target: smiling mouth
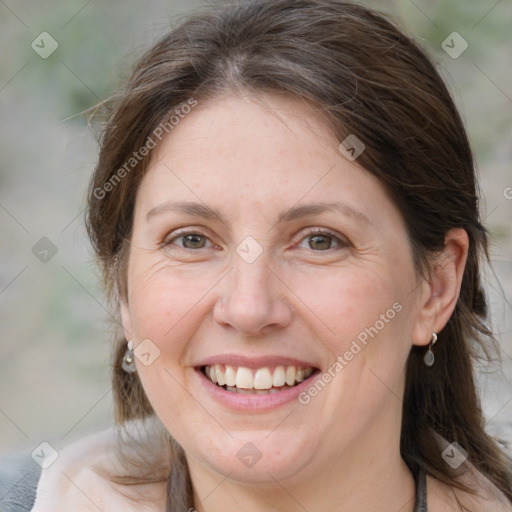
pixel 260 381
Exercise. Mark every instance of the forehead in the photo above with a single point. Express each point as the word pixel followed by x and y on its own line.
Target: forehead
pixel 265 152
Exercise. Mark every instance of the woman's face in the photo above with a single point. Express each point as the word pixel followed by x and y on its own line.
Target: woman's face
pixel 261 251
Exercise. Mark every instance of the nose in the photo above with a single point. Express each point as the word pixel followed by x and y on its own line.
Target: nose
pixel 252 300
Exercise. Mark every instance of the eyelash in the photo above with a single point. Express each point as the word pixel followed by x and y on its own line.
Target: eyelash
pixel 341 242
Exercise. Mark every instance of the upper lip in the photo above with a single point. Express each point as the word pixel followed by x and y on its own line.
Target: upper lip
pixel 255 362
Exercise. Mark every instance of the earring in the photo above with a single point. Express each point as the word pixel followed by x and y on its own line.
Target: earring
pixel 128 363
pixel 429 358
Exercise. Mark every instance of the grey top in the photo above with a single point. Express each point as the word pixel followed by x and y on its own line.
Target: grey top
pixel 19 476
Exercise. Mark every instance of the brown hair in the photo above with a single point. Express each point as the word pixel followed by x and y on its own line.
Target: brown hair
pixel 366 78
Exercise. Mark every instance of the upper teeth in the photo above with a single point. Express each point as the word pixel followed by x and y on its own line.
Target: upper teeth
pixel 260 378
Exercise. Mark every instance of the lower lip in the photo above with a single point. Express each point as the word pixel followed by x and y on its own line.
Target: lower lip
pixel 254 402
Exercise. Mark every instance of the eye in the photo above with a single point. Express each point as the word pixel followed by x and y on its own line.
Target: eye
pixel 323 241
pixel 189 241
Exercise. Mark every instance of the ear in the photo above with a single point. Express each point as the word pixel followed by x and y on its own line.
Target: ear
pixel 120 271
pixel 126 318
pixel 440 291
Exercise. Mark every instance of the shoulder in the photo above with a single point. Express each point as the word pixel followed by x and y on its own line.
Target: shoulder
pixel 89 472
pixel 486 497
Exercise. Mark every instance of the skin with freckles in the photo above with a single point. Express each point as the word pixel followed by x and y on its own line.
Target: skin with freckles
pixel 324 275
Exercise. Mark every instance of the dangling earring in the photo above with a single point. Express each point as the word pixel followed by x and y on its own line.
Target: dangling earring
pixel 429 358
pixel 128 363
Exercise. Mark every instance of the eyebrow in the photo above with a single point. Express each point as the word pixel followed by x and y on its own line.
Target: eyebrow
pixel 297 212
pixel 189 208
pixel 305 210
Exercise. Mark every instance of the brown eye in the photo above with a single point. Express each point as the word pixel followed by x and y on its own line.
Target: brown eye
pixel 194 241
pixel 189 241
pixel 320 242
pixel 323 241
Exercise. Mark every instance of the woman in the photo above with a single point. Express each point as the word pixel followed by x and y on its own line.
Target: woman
pixel 285 211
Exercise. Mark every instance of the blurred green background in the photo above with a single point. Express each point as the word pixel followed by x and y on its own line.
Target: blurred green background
pixel 55 332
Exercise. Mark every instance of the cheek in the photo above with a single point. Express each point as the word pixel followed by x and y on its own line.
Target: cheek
pixel 168 304
pixel 366 319
pixel 164 309
pixel 164 305
pixel 349 300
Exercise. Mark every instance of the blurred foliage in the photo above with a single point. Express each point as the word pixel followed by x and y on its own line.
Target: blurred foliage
pixel 95 53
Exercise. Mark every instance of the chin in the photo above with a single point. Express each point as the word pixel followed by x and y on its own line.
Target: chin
pixel 251 458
